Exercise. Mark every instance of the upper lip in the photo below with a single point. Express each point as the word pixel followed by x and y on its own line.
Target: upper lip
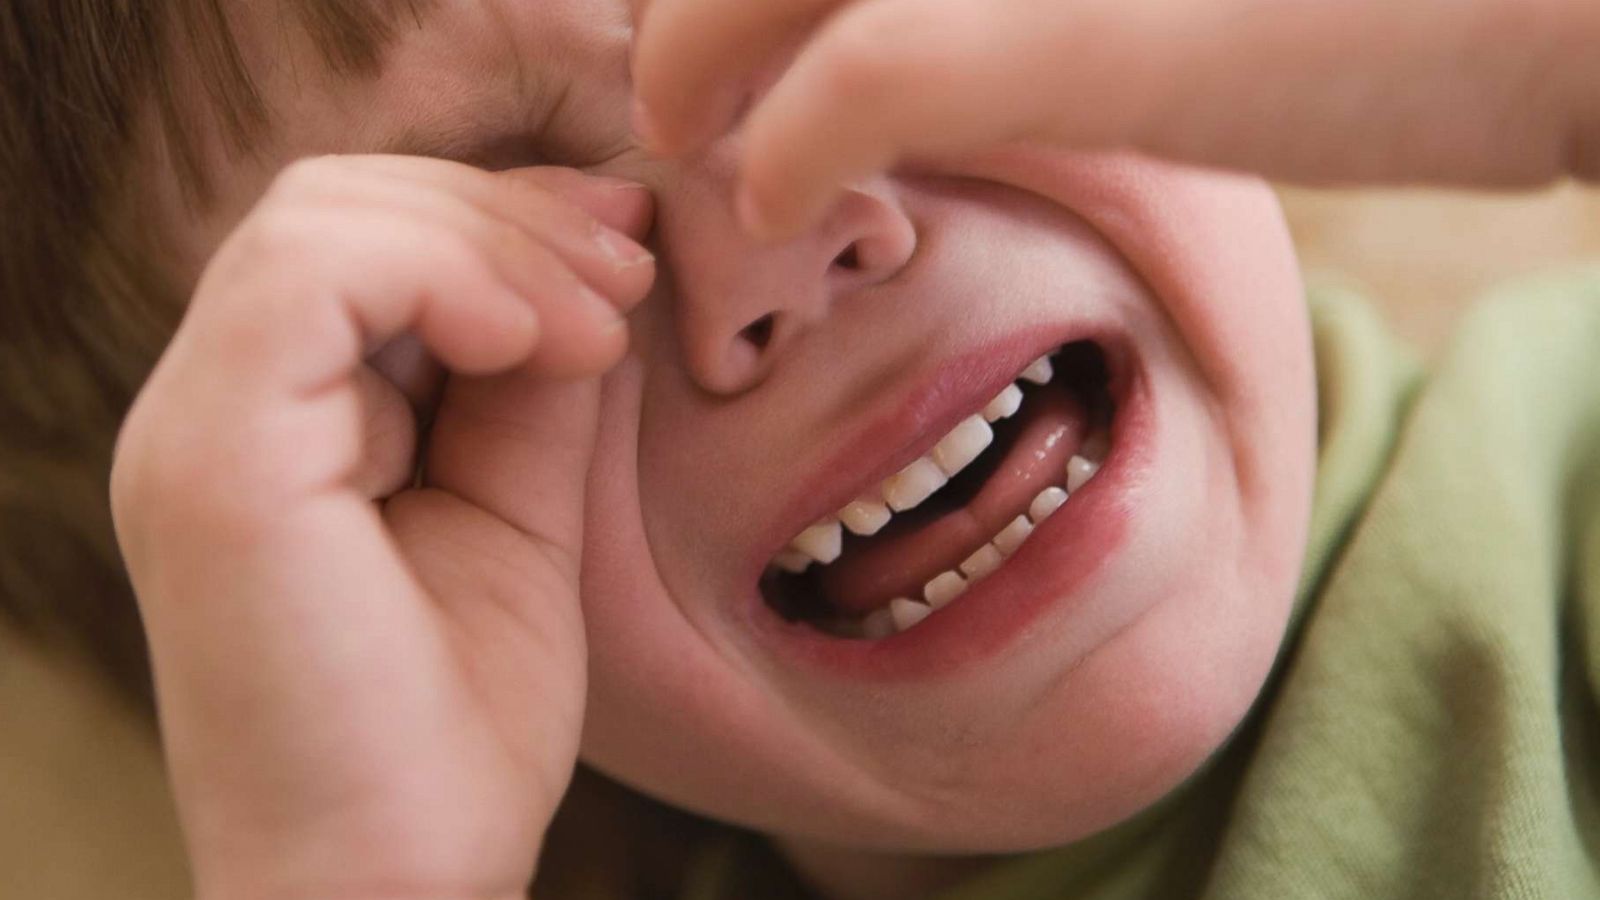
pixel 906 424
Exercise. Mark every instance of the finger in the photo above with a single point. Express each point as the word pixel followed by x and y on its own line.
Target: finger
pixel 281 303
pixel 1277 89
pixel 623 206
pixel 519 446
pixel 626 269
pixel 581 332
pixel 1478 94
pixel 388 437
pixel 880 82
pixel 517 628
pixel 261 380
pixel 693 61
pixel 405 363
pixel 281 315
pixel 607 259
pixel 259 390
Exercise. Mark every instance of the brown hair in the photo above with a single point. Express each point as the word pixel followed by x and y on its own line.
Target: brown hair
pixel 83 313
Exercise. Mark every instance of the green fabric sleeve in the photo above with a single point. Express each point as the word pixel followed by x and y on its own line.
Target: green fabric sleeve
pixel 1436 731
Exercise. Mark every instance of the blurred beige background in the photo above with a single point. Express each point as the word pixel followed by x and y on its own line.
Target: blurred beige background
pixel 1424 254
pixel 82 801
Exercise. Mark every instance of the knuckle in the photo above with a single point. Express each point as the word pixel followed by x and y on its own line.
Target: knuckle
pixel 511 246
pixel 273 246
pixel 274 230
pixel 307 174
pixel 458 251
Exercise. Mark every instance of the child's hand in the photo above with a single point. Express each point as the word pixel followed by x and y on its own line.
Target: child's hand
pixel 1499 92
pixel 368 689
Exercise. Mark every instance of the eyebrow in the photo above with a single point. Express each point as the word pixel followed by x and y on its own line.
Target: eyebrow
pixel 420 142
pixel 494 145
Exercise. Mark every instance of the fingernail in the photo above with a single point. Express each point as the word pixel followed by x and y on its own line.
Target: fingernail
pixel 620 185
pixel 622 251
pixel 598 310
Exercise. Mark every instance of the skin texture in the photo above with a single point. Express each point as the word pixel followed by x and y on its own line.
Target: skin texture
pixel 395 647
pixel 1486 93
pixel 294 602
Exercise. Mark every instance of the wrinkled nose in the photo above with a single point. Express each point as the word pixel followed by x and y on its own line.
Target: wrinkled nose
pixel 742 304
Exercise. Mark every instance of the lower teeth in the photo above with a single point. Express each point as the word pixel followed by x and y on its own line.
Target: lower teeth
pixel 904 613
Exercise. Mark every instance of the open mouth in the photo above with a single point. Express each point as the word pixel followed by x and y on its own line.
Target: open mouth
pixel 917 541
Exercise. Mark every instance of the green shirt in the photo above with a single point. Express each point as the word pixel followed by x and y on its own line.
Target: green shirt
pixel 1431 729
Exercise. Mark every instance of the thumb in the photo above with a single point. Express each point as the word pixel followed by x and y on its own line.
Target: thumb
pixel 515 448
pixel 518 446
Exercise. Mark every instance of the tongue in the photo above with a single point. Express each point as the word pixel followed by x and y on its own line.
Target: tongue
pixel 912 549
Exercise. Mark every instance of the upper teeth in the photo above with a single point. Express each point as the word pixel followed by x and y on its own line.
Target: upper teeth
pixel 962 445
pixel 1004 405
pixel 902 613
pixel 918 481
pixel 865 516
pixel 1040 372
pixel 913 484
pixel 822 541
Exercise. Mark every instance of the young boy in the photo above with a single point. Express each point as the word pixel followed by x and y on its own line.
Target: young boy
pixel 1063 404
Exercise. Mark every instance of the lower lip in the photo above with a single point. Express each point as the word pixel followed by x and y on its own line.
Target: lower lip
pixel 1047 572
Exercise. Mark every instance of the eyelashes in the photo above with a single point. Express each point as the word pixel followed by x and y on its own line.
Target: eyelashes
pixel 498 152
pixel 502 152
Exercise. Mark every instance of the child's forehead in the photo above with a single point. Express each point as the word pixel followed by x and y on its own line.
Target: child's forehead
pixel 358 39
pixel 446 78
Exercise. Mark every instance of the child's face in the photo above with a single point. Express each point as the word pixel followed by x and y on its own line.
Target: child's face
pixel 768 386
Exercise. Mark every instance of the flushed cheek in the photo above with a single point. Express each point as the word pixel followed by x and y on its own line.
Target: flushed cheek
pixel 663 701
pixel 1212 247
pixel 1215 252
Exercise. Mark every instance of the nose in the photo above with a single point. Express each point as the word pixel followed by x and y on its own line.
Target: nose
pixel 741 305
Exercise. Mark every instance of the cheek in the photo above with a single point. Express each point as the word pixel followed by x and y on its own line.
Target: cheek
pixel 627 616
pixel 655 695
pixel 1212 246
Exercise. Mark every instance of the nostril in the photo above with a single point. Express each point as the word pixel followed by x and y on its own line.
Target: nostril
pixel 758 333
pixel 849 260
